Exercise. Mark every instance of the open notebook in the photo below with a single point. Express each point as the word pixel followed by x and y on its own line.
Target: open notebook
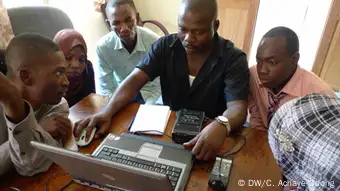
pixel 151 119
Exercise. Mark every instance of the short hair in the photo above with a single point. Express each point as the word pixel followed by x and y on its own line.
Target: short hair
pixel 292 40
pixel 114 3
pixel 207 6
pixel 27 45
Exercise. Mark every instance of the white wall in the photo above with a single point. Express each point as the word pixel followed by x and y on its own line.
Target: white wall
pixel 164 11
pixel 306 17
pixel 85 20
pixel 91 25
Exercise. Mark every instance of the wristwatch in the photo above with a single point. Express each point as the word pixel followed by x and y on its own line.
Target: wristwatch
pixel 224 121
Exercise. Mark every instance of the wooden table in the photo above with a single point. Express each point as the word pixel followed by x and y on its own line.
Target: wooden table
pixel 253 163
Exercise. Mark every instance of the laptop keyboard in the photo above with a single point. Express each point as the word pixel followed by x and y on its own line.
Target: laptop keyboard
pixel 113 155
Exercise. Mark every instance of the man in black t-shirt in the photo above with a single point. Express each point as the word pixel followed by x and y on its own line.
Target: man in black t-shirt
pixel 198 70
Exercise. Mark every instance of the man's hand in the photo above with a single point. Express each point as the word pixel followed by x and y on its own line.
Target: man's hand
pixel 60 128
pixel 101 120
pixel 8 90
pixel 124 94
pixel 11 100
pixel 208 142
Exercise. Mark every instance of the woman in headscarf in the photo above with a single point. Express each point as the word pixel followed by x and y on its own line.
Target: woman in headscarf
pixel 79 70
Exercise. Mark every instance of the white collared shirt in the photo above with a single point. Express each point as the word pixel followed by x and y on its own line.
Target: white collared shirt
pixel 15 140
pixel 114 63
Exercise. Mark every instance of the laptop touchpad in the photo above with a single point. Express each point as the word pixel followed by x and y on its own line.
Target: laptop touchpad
pixel 150 150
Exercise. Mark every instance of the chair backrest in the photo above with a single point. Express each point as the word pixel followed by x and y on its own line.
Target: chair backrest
pixel 44 20
pixel 158 24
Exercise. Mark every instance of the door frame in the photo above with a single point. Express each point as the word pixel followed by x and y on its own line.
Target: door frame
pixel 252 19
pixel 326 39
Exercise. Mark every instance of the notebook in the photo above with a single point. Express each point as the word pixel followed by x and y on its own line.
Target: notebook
pixel 151 118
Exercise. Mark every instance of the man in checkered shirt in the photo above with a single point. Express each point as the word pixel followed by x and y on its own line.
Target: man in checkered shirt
pixel 304 136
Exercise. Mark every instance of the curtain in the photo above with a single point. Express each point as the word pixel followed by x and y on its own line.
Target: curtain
pixel 6 32
pixel 98 3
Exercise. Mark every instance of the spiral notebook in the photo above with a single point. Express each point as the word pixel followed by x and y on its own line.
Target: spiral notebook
pixel 151 119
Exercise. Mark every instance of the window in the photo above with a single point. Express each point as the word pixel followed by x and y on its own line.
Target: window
pixel 306 17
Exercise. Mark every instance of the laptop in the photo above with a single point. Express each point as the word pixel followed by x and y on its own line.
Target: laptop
pixel 149 154
pixel 126 162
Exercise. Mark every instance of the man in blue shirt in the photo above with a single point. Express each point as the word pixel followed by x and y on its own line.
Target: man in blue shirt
pixel 198 70
pixel 119 51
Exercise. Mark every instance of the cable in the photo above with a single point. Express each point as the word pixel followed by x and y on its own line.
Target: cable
pixel 55 174
pixel 66 185
pixel 14 188
pixel 228 153
pixel 147 131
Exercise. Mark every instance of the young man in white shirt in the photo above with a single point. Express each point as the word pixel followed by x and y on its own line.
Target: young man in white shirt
pixel 119 51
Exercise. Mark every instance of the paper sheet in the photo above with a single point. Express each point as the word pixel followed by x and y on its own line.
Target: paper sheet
pixel 151 118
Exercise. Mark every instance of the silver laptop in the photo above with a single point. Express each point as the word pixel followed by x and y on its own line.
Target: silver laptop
pixel 142 152
pixel 118 164
pixel 103 174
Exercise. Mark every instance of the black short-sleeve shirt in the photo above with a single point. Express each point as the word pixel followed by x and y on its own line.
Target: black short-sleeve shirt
pixel 224 77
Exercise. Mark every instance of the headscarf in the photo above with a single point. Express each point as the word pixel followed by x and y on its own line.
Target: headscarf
pixel 67 39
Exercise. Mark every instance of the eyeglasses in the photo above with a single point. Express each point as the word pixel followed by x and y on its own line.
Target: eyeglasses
pixel 119 24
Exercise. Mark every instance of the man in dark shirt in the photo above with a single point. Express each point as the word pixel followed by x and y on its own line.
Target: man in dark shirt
pixel 198 70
